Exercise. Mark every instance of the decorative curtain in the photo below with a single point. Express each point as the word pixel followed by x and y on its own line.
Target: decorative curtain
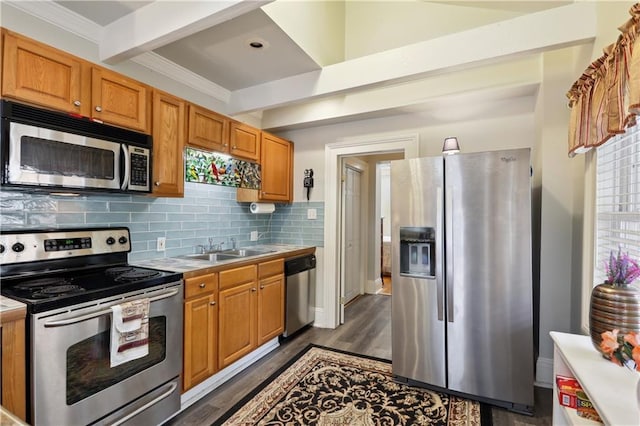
pixel 606 98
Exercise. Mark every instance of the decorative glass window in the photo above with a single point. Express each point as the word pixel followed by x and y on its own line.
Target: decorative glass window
pixel 617 199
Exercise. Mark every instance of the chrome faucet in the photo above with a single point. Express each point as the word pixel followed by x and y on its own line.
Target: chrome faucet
pixel 215 247
pixel 233 243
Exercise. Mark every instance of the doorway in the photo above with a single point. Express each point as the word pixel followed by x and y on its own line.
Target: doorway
pixel 407 146
pixel 352 231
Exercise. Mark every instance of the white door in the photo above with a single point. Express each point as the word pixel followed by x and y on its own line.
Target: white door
pixel 352 219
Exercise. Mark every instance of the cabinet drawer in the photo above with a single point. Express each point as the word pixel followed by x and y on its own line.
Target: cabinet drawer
pixel 238 276
pixel 273 267
pixel 196 286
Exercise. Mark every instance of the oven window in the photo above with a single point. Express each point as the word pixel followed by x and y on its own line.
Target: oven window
pixel 88 363
pixel 66 159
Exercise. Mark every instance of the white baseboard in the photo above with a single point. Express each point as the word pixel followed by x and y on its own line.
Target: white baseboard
pixel 373 287
pixel 544 372
pixel 320 321
pixel 197 392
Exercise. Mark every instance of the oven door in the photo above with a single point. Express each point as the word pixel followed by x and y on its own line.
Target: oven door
pixel 72 381
pixel 44 157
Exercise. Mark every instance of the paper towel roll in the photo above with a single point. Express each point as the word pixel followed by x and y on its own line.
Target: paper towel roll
pixel 258 208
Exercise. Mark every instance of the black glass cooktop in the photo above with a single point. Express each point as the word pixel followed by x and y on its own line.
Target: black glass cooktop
pixel 44 292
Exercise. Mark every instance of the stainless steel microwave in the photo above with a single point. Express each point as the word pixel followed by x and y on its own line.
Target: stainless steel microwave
pixel 54 151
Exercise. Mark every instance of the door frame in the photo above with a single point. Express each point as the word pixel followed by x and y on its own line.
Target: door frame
pixel 366 145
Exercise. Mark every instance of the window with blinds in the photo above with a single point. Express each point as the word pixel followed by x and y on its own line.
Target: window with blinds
pixel 617 199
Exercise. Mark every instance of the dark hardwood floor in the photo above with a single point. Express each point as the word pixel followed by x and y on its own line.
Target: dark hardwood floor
pixel 367 330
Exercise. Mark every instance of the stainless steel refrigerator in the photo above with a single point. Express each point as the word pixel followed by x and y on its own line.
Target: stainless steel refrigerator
pixel 462 304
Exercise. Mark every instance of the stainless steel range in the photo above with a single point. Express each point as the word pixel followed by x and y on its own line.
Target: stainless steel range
pixel 71 280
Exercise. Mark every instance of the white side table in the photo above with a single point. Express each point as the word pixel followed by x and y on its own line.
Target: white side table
pixel 612 389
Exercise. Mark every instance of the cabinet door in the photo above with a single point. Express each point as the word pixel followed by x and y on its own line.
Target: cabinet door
pixel 118 100
pixel 270 308
pixel 200 340
pixel 208 130
pixel 276 160
pixel 237 323
pixel 169 119
pixel 42 75
pixel 244 141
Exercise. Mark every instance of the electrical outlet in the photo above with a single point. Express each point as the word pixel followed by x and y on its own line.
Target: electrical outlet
pixel 254 235
pixel 312 214
pixel 161 244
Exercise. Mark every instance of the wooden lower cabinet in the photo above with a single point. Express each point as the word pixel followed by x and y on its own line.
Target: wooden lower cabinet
pixel 200 329
pixel 13 365
pixel 238 309
pixel 229 314
pixel 270 300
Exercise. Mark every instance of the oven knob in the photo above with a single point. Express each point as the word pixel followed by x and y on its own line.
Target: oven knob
pixel 122 240
pixel 111 241
pixel 1 248
pixel 17 247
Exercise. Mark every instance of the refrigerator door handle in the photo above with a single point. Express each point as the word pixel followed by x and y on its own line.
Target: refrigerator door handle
pixel 439 254
pixel 449 251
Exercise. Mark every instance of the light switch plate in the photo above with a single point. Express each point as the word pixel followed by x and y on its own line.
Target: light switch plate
pixel 254 235
pixel 312 214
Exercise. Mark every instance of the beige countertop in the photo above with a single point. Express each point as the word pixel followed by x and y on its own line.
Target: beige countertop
pixel 192 267
pixel 11 310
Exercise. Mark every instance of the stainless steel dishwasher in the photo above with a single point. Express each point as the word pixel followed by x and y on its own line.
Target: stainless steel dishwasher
pixel 300 298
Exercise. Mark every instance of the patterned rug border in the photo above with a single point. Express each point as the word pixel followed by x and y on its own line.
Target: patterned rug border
pixel 485 410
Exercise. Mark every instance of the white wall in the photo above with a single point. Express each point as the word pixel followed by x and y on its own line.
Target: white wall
pixel 372 26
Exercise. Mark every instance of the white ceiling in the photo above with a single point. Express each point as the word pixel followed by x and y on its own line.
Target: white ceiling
pixel 211 45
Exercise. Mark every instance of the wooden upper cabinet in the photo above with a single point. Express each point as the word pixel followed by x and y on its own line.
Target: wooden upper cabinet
pixel 244 141
pixel 41 75
pixel 208 130
pixel 169 132
pixel 276 161
pixel 119 100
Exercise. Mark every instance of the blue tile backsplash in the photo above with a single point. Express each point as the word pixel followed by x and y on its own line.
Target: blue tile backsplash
pixel 205 211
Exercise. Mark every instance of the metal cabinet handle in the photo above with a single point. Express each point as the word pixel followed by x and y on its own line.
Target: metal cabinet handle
pixel 77 103
pixel 254 289
pixel 99 108
pixel 261 287
pixel 157 183
pixel 203 285
pixel 212 303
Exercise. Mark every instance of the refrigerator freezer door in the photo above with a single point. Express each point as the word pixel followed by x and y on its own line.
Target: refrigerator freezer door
pixel 418 321
pixel 489 294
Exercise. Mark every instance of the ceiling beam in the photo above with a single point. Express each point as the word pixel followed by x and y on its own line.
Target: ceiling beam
pixel 160 23
pixel 547 30
pixel 520 77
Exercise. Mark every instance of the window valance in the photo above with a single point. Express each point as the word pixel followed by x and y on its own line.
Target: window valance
pixel 606 98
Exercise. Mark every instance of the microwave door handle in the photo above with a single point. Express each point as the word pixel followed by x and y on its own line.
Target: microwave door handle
pixel 127 167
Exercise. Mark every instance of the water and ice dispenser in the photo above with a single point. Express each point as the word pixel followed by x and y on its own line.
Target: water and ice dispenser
pixel 417 252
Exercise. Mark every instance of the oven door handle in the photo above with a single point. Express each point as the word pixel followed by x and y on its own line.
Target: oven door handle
pixel 172 388
pixel 104 311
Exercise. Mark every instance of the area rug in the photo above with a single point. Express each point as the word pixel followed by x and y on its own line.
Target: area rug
pixel 326 387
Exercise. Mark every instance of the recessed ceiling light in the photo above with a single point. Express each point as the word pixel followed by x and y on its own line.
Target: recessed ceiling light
pixel 257 43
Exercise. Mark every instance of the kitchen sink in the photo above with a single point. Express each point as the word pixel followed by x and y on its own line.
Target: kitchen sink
pixel 232 254
pixel 213 257
pixel 246 252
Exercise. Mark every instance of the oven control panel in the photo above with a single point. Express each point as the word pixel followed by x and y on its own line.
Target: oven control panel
pixel 30 246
